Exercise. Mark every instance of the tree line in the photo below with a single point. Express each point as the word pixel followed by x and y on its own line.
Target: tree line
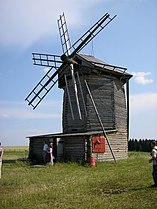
pixel 142 145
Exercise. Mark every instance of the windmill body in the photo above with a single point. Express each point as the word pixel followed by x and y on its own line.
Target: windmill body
pixel 106 83
pixel 85 80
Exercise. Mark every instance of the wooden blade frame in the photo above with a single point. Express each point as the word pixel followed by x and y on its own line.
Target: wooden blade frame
pixel 64 35
pixel 47 60
pixel 66 45
pixel 43 87
pixel 90 34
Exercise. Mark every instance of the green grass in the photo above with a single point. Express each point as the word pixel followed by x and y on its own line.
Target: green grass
pixel 71 186
pixel 12 153
pixel 16 148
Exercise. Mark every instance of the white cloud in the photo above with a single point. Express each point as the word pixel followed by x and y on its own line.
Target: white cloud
pixel 140 78
pixel 143 116
pixel 19 120
pixel 24 22
pixel 19 110
pixel 144 103
pixel 25 114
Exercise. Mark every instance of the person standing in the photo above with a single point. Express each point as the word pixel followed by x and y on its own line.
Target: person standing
pixel 45 148
pixel 1 156
pixel 50 151
pixel 153 160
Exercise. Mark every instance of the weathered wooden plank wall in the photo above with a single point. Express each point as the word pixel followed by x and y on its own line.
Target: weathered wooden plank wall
pixel 76 125
pixel 119 147
pixel 103 93
pixel 118 140
pixel 36 148
pixel 74 149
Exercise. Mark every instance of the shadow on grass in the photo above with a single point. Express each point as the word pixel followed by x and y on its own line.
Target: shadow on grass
pixel 12 161
pixel 9 161
pixel 120 191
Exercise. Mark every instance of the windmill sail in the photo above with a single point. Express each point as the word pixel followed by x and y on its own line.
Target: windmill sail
pixel 64 34
pixel 47 60
pixel 66 45
pixel 91 33
pixel 43 87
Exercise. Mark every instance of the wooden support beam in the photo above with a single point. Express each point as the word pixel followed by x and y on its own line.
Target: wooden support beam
pixel 98 116
pixel 127 106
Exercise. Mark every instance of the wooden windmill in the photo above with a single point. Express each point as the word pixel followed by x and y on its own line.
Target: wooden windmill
pixel 94 96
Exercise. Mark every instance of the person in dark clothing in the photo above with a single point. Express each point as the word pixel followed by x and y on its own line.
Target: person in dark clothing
pixel 153 160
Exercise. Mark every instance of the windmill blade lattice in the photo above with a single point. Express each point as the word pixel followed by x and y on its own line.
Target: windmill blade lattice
pixel 66 45
pixel 64 35
pixel 43 87
pixel 47 60
pixel 90 34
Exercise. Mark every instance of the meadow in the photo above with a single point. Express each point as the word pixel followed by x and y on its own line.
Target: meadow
pixel 125 185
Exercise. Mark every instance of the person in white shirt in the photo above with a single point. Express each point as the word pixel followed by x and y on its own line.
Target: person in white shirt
pixel 45 148
pixel 1 156
pixel 50 151
pixel 153 159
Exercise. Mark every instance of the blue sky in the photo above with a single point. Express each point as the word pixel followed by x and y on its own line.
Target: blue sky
pixel 30 26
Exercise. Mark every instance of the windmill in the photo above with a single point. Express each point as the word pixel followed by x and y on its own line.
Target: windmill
pixel 71 71
pixel 59 63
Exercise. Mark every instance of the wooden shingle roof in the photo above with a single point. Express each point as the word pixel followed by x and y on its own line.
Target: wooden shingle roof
pixel 105 68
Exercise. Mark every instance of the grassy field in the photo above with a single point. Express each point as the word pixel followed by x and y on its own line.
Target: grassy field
pixel 12 153
pixel 72 186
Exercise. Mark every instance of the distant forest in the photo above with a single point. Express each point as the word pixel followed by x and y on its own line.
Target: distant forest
pixel 142 145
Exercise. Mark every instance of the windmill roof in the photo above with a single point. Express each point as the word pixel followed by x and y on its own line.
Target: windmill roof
pixel 105 67
pixel 91 58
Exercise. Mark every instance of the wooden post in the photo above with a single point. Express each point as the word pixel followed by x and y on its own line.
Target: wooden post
pixel 55 148
pixel 89 146
pixel 127 106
